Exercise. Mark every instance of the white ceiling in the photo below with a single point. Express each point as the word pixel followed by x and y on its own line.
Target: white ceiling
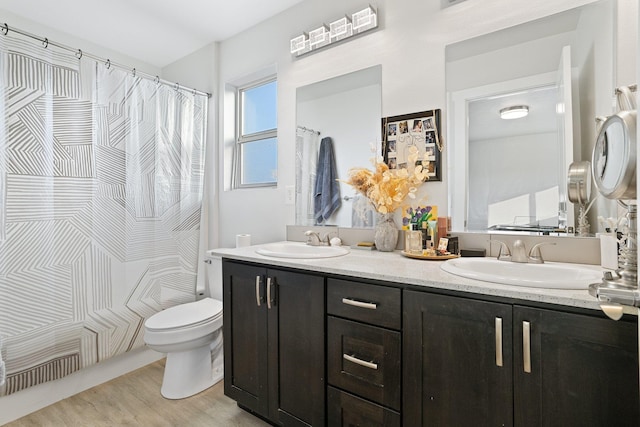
pixel 157 32
pixel 485 122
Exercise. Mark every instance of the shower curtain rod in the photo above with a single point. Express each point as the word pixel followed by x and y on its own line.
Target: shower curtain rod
pixel 308 130
pixel 108 63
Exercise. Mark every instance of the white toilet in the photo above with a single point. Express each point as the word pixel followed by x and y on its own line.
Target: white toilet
pixel 191 335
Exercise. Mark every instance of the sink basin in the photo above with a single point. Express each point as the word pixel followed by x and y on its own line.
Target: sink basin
pixel 300 250
pixel 550 275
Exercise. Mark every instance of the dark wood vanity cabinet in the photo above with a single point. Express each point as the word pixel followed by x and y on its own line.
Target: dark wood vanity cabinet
pixel 469 362
pixel 457 361
pixel 364 363
pixel 274 348
pixel 396 356
pixel 583 369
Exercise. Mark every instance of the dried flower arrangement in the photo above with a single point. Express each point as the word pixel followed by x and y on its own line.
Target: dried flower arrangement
pixel 387 188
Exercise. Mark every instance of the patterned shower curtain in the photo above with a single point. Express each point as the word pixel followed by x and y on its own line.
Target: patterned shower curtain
pixel 101 185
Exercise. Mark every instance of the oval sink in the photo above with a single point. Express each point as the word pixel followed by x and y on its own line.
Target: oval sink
pixel 300 250
pixel 550 275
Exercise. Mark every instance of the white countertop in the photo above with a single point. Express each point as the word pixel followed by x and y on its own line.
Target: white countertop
pixel 393 267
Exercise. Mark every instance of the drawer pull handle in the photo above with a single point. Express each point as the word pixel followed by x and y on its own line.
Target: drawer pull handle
pixel 258 290
pixel 360 362
pixel 499 341
pixel 269 301
pixel 361 304
pixel 526 346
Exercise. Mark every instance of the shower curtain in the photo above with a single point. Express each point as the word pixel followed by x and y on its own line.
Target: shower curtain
pixel 307 142
pixel 101 182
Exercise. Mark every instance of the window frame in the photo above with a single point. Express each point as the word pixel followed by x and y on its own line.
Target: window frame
pixel 252 137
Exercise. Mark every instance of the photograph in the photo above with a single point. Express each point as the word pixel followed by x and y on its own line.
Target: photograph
pixel 392 130
pixel 428 123
pixel 430 137
pixel 400 134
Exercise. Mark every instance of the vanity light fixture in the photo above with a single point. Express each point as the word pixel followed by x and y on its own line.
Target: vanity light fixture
pixel 365 19
pixel 341 29
pixel 515 112
pixel 298 44
pixel 319 37
pixel 338 30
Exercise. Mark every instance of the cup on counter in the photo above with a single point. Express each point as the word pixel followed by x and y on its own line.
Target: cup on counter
pixel 413 241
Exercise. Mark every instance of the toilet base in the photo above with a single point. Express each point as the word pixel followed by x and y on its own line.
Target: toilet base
pixel 187 373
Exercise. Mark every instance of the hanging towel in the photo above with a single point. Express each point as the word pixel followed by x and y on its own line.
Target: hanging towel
pixel 327 192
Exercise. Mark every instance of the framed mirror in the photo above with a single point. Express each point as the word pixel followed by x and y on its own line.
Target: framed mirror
pixel 347 109
pixel 512 173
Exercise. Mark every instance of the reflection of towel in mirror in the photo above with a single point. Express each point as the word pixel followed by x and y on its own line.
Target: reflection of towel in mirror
pixel 327 192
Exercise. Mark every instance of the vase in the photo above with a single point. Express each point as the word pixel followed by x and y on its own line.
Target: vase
pixel 386 233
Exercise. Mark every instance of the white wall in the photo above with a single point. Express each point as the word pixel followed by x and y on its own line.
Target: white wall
pixel 491 179
pixel 410 47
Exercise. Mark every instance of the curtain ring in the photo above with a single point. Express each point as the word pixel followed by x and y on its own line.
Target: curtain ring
pixel 79 54
pixel 5 29
pixel 45 42
pixel 133 72
pixel 108 64
pixel 157 79
pixel 194 91
pixel 177 86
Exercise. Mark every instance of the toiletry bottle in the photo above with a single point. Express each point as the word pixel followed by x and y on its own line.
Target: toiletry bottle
pixel 425 234
pixel 433 232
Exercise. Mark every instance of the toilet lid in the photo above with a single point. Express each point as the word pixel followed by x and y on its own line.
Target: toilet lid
pixel 185 314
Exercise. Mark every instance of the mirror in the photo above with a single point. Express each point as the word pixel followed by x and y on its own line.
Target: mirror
pixel 511 174
pixel 614 157
pixel 346 109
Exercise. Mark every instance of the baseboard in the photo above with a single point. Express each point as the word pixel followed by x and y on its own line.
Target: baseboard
pixel 30 400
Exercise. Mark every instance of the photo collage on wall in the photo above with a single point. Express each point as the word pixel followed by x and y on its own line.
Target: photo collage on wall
pixel 420 130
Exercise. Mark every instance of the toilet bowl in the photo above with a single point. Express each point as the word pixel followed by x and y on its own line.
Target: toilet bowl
pixel 191 336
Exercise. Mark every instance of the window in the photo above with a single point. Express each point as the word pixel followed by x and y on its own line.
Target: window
pixel 257 148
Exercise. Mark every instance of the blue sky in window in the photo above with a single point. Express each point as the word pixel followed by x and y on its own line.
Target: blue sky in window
pixel 260 108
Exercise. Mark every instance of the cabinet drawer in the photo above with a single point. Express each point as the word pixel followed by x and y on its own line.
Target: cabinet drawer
pixel 364 360
pixel 378 305
pixel 344 409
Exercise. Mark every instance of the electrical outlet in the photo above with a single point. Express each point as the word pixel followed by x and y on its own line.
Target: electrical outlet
pixel 290 194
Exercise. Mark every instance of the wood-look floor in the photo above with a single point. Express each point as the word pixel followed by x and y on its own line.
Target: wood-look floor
pixel 134 400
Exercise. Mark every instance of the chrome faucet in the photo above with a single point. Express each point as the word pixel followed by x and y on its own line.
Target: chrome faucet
pixel 314 239
pixel 518 253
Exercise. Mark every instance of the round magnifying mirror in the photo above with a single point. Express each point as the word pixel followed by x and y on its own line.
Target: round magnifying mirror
pixel 614 157
pixel 579 182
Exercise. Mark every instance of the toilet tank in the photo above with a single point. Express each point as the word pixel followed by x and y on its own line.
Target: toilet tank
pixel 213 276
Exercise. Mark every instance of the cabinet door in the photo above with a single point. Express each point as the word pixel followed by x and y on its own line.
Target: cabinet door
pixel 245 336
pixel 457 361
pixel 575 369
pixel 296 348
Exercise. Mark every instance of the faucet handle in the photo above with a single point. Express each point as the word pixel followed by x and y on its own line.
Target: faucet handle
pixel 503 254
pixel 535 255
